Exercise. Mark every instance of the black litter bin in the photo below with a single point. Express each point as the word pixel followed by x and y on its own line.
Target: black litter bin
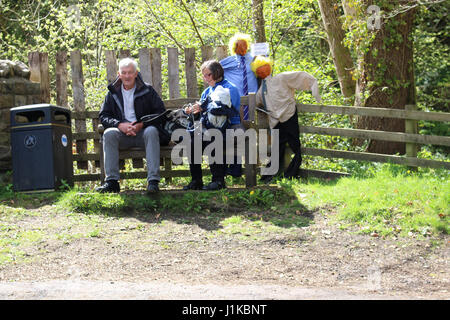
pixel 41 142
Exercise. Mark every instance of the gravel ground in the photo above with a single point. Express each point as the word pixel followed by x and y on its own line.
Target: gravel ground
pixel 166 258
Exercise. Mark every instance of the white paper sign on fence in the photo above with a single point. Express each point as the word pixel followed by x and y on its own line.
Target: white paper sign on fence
pixel 260 49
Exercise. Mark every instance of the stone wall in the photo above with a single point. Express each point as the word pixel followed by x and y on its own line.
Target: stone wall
pixel 15 90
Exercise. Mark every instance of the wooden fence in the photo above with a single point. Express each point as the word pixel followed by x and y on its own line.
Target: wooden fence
pixel 150 65
pixel 410 137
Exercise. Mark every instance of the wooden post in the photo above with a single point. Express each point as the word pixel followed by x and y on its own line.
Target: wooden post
pixel 61 79
pixel 38 64
pixel 207 54
pixel 262 123
pixel 34 65
pixel 45 77
pixel 174 74
pixel 221 52
pixel 78 102
pixel 155 55
pixel 251 106
pixel 411 127
pixel 97 147
pixel 168 168
pixel 250 169
pixel 145 66
pixel 191 73
pixel 111 65
pixel 124 53
pixel 138 163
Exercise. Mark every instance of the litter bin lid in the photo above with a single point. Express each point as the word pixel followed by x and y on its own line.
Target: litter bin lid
pixel 39 106
pixel 39 115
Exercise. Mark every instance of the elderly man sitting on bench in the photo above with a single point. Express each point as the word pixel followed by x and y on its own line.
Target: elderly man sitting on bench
pixel 127 101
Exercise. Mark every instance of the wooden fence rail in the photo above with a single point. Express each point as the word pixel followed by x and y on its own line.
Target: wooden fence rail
pixel 86 157
pixel 409 138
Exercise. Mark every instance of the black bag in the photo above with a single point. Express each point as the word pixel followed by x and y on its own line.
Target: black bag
pixel 167 122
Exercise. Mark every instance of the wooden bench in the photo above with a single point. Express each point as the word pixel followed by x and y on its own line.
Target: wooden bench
pixel 137 154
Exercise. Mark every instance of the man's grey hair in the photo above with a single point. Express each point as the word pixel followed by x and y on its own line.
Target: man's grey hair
pixel 128 62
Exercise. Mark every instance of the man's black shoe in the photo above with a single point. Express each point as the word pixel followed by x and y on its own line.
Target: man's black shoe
pixel 215 185
pixel 194 185
pixel 109 186
pixel 153 186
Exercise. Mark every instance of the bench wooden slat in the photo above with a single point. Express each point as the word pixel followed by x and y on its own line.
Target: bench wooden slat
pixel 85 135
pixel 86 157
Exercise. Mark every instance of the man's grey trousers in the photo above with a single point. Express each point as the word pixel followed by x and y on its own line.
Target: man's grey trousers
pixel 114 140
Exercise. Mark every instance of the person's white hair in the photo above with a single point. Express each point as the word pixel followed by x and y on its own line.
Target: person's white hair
pixel 125 62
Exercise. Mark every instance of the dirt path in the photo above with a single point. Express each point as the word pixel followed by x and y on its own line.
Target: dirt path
pixel 163 257
pixel 107 290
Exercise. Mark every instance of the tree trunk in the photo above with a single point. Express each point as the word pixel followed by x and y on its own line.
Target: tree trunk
pixel 387 78
pixel 258 20
pixel 341 55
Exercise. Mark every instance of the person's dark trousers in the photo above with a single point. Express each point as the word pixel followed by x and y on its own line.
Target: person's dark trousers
pixel 217 170
pixel 290 134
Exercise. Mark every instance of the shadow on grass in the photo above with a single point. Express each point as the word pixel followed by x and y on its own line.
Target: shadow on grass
pixel 276 205
pixel 28 201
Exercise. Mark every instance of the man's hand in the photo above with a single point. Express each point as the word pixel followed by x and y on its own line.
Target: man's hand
pixel 130 129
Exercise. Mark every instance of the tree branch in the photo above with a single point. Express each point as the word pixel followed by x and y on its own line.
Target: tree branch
pixel 169 34
pixel 193 22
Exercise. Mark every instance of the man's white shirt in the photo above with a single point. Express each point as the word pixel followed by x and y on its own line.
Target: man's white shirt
pixel 128 104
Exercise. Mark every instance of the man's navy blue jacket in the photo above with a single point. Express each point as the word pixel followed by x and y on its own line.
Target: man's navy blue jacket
pixel 146 101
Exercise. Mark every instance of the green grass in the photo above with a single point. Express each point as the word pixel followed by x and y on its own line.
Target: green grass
pixel 386 200
pixel 392 201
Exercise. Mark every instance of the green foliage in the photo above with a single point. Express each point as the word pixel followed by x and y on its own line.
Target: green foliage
pixel 294 32
pixel 431 57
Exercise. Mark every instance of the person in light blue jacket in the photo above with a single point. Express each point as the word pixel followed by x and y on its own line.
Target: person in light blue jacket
pixel 237 70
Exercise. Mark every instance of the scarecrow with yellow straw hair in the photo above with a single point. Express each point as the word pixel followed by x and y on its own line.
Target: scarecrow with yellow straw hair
pixel 237 70
pixel 276 95
pixel 237 66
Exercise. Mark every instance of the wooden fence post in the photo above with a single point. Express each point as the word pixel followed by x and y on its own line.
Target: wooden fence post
pixel 191 73
pixel 45 77
pixel 111 65
pixel 250 169
pixel 411 127
pixel 34 65
pixel 207 54
pixel 145 65
pixel 78 102
pixel 38 63
pixel 124 53
pixel 174 74
pixel 155 54
pixel 61 79
pixel 221 52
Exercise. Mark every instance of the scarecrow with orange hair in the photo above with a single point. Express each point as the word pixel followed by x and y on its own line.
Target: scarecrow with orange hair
pixel 237 70
pixel 237 67
pixel 276 95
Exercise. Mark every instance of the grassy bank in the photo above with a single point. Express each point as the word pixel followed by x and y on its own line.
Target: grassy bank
pixel 392 201
pixel 389 201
